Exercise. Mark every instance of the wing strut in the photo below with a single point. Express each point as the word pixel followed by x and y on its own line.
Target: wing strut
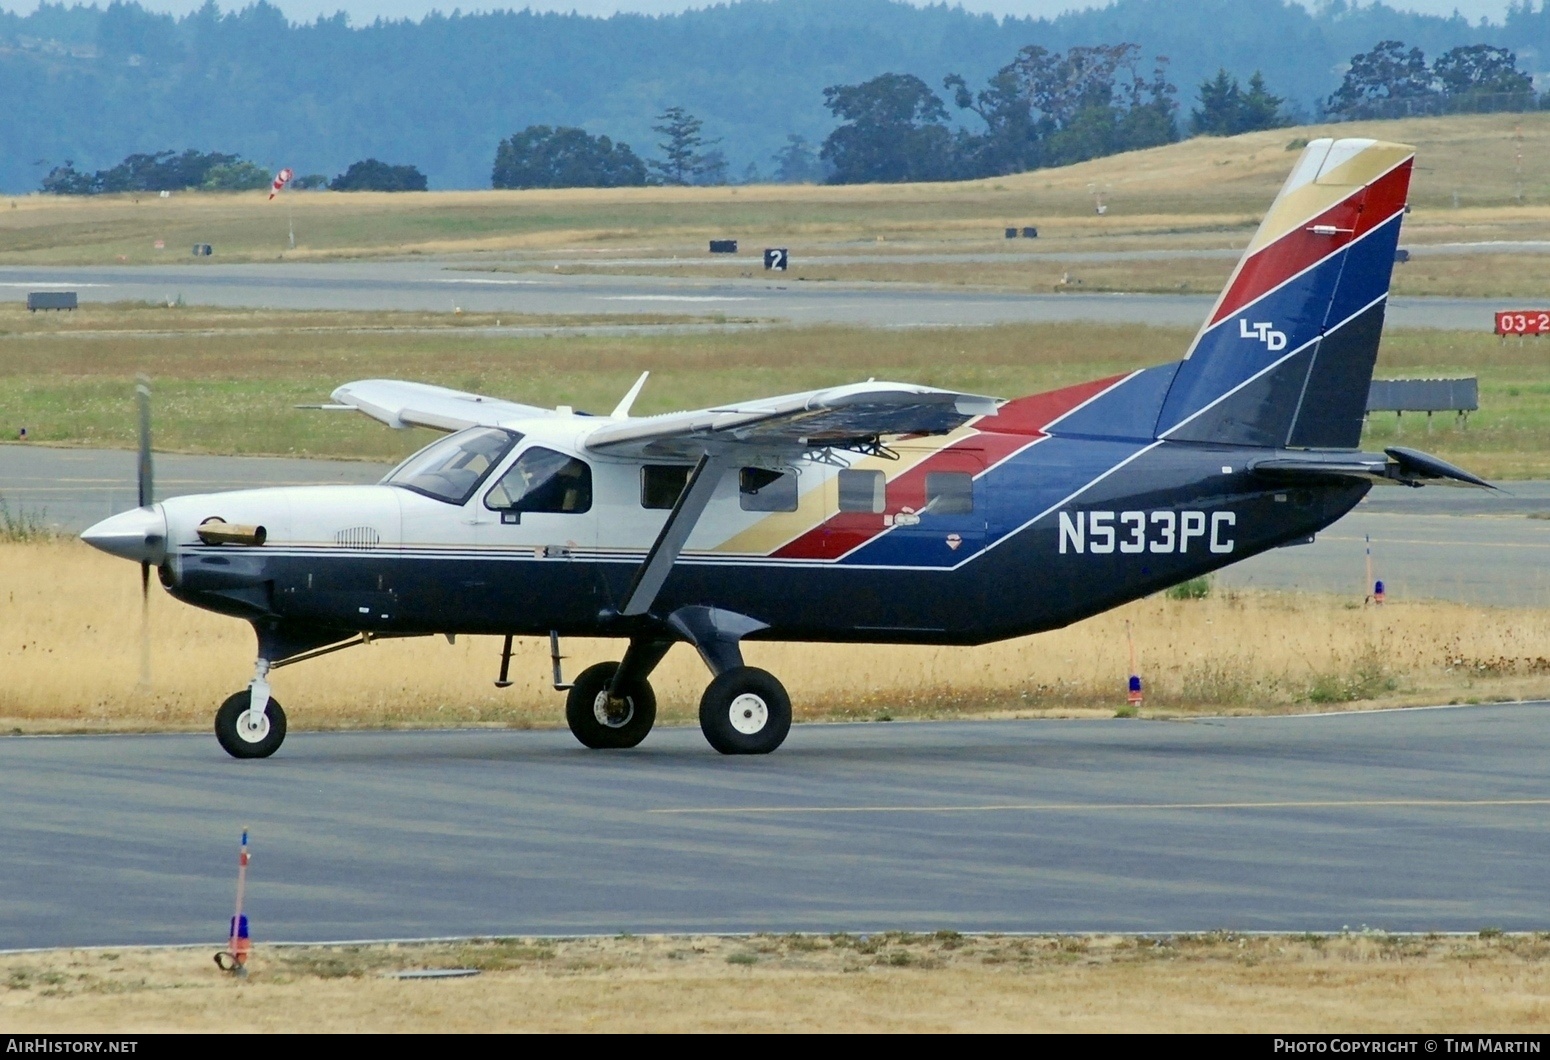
pixel 686 512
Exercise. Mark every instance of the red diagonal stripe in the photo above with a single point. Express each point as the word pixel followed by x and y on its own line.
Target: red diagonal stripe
pixel 1016 424
pixel 1275 263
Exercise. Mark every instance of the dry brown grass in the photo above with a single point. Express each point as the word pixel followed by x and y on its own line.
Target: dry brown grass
pixel 1229 653
pixel 1212 181
pixel 887 982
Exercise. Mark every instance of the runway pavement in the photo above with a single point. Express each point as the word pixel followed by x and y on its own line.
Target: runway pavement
pixel 1471 546
pixel 434 286
pixel 1414 820
pixel 69 489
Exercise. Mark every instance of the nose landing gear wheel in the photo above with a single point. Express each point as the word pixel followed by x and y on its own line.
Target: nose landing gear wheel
pixel 601 721
pixel 242 734
pixel 745 711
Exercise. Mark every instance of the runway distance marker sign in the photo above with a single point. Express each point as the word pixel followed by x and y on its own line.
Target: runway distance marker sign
pixel 1523 322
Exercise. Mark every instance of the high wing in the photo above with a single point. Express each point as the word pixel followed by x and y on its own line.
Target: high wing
pixel 399 404
pixel 837 416
pixel 717 439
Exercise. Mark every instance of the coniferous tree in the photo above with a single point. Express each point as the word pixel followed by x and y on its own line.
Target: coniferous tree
pixel 1226 109
pixel 797 162
pixel 681 150
pixel 1260 109
pixel 1221 100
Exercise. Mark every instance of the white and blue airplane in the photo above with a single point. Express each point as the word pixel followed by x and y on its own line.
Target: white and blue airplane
pixel 878 512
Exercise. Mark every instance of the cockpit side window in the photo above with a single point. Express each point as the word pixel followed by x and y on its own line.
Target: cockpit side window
pixel 542 480
pixel 453 468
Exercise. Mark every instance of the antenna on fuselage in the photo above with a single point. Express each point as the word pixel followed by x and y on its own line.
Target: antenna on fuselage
pixel 622 409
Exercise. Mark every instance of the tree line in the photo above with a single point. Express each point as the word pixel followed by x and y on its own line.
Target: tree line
pixel 1392 81
pixel 213 171
pixel 97 81
pixel 1044 108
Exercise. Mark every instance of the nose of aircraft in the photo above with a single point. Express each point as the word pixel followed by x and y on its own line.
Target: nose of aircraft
pixel 139 535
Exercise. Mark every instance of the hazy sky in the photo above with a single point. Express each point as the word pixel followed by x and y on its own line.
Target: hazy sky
pixel 366 10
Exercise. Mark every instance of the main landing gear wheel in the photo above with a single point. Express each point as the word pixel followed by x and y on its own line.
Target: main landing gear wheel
pixel 602 721
pixel 245 735
pixel 745 711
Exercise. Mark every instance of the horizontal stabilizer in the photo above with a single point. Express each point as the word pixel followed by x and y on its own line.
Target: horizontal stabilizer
pixel 1396 466
pixel 1424 466
pixel 399 404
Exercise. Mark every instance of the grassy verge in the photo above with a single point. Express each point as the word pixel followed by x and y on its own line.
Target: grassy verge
pixel 226 381
pixel 64 602
pixel 887 982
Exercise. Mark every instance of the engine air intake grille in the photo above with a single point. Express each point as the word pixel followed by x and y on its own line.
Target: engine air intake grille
pixel 358 537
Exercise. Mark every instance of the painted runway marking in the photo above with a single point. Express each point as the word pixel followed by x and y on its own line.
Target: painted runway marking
pixel 1105 807
pixel 1446 544
pixel 674 298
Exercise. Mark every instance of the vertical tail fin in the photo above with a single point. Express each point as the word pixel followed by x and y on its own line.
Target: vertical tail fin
pixel 1286 356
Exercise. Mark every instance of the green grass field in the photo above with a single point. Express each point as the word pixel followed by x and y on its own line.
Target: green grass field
pixel 226 381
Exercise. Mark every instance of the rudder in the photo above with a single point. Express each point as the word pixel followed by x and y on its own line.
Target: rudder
pixel 1286 356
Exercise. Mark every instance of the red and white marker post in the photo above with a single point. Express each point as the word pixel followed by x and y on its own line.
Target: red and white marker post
pixel 234 958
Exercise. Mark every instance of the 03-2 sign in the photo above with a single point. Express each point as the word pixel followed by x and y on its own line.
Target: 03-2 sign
pixel 1523 322
pixel 1131 532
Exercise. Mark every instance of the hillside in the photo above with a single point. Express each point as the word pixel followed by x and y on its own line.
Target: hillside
pixel 1178 195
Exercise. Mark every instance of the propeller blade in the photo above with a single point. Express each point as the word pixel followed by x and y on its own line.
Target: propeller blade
pixel 146 478
pixel 145 625
pixel 147 490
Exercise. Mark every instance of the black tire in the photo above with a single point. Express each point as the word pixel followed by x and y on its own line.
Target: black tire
pixel 233 739
pixel 596 725
pixel 745 711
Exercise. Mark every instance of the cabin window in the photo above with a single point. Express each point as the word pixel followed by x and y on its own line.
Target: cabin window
pixel 949 493
pixel 862 491
pixel 451 469
pixel 762 490
pixel 660 484
pixel 542 480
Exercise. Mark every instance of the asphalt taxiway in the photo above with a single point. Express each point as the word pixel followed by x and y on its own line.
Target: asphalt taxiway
pixel 436 287
pixel 1414 820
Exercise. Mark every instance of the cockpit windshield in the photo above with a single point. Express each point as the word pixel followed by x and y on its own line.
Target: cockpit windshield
pixel 452 469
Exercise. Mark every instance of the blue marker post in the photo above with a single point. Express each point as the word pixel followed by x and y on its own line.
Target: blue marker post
pixel 1133 693
pixel 234 958
pixel 1376 595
